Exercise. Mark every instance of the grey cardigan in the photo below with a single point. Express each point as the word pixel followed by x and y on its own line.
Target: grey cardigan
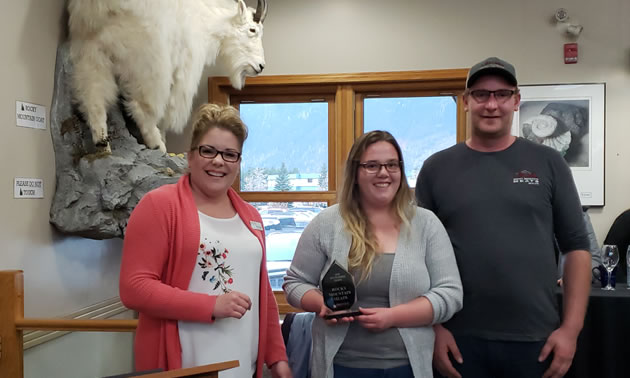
pixel 424 265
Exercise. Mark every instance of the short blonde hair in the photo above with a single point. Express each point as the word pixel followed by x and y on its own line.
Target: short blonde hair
pixel 364 244
pixel 209 116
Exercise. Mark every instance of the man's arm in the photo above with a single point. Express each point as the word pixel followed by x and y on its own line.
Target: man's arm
pixel 577 285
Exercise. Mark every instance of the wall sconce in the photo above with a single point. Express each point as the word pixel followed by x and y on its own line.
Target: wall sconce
pixel 565 25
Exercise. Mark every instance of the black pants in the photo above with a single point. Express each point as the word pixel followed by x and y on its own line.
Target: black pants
pixel 499 359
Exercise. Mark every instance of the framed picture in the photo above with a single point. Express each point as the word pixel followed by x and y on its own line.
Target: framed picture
pixel 569 118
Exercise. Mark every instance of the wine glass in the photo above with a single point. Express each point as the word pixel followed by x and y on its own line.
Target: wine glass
pixel 610 259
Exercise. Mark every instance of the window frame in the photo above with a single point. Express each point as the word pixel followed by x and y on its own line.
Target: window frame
pixel 345 94
pixel 291 196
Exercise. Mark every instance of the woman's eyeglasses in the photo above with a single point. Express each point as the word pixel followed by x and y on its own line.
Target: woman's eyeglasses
pixel 209 152
pixel 372 167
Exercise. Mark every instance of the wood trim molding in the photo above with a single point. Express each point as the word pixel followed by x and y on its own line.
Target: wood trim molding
pixel 332 150
pixel 98 311
pixel 11 307
pixel 287 196
pixel 449 80
pixel 207 371
pixel 283 306
pixel 344 119
pixel 216 94
pixel 350 78
pixel 358 114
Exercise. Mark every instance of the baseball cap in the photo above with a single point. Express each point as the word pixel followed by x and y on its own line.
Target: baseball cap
pixel 492 66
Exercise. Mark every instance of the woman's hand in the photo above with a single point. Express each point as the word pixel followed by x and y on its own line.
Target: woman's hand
pixel 376 319
pixel 323 311
pixel 313 301
pixel 281 369
pixel 231 305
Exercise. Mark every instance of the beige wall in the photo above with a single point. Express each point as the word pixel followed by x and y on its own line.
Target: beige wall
pixel 63 274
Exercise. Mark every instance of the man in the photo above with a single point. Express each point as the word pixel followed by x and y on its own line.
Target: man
pixel 503 200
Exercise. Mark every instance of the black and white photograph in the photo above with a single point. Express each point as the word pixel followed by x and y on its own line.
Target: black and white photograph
pixel 570 119
pixel 561 125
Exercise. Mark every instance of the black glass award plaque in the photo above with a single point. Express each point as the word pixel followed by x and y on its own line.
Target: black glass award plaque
pixel 339 292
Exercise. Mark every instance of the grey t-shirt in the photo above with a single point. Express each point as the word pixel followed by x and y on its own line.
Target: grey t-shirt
pixel 362 348
pixel 501 211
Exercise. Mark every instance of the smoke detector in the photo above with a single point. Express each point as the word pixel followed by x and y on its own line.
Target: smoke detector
pixel 562 15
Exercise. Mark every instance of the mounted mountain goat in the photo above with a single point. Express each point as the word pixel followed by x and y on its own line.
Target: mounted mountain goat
pixel 153 53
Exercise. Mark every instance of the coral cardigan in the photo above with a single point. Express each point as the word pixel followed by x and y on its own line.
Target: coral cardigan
pixel 159 255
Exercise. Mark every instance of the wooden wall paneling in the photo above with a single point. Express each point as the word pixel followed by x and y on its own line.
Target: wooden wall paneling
pixel 11 308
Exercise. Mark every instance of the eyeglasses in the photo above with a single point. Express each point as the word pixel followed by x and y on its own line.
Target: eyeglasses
pixel 209 152
pixel 501 95
pixel 372 167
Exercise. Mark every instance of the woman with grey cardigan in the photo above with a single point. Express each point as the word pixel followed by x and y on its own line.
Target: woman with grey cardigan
pixel 402 262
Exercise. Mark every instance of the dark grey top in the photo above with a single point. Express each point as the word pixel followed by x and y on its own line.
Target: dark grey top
pixel 387 349
pixel 501 211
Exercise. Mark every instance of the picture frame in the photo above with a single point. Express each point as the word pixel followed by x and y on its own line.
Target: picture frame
pixel 571 119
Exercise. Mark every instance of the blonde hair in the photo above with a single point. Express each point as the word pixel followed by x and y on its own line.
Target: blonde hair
pixel 364 244
pixel 209 116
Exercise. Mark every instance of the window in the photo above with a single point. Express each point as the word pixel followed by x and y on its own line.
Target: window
pixel 284 223
pixel 303 126
pixel 287 147
pixel 421 125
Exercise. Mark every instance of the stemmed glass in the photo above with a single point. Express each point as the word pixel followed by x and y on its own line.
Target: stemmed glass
pixel 610 259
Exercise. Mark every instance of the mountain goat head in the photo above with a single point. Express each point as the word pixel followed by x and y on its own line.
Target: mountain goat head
pixel 152 53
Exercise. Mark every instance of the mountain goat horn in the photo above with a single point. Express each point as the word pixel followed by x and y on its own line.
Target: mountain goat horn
pixel 261 11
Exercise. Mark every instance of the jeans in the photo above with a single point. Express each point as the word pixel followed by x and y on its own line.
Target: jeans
pixel 397 372
pixel 500 359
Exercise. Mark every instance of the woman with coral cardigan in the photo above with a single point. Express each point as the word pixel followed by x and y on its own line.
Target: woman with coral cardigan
pixel 194 264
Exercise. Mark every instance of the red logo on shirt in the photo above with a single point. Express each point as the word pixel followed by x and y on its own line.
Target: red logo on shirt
pixel 525 177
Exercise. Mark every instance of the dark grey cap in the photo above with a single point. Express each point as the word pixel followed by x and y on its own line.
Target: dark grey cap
pixel 492 66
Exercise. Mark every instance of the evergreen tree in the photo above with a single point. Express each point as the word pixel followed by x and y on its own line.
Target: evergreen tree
pixel 282 182
pixel 271 171
pixel 255 180
pixel 323 178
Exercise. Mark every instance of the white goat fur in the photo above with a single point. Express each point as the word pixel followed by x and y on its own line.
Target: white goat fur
pixel 153 52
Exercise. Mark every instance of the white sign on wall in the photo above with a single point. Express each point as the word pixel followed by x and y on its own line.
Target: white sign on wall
pixel 28 188
pixel 30 115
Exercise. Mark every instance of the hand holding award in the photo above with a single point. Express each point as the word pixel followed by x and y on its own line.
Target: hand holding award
pixel 339 292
